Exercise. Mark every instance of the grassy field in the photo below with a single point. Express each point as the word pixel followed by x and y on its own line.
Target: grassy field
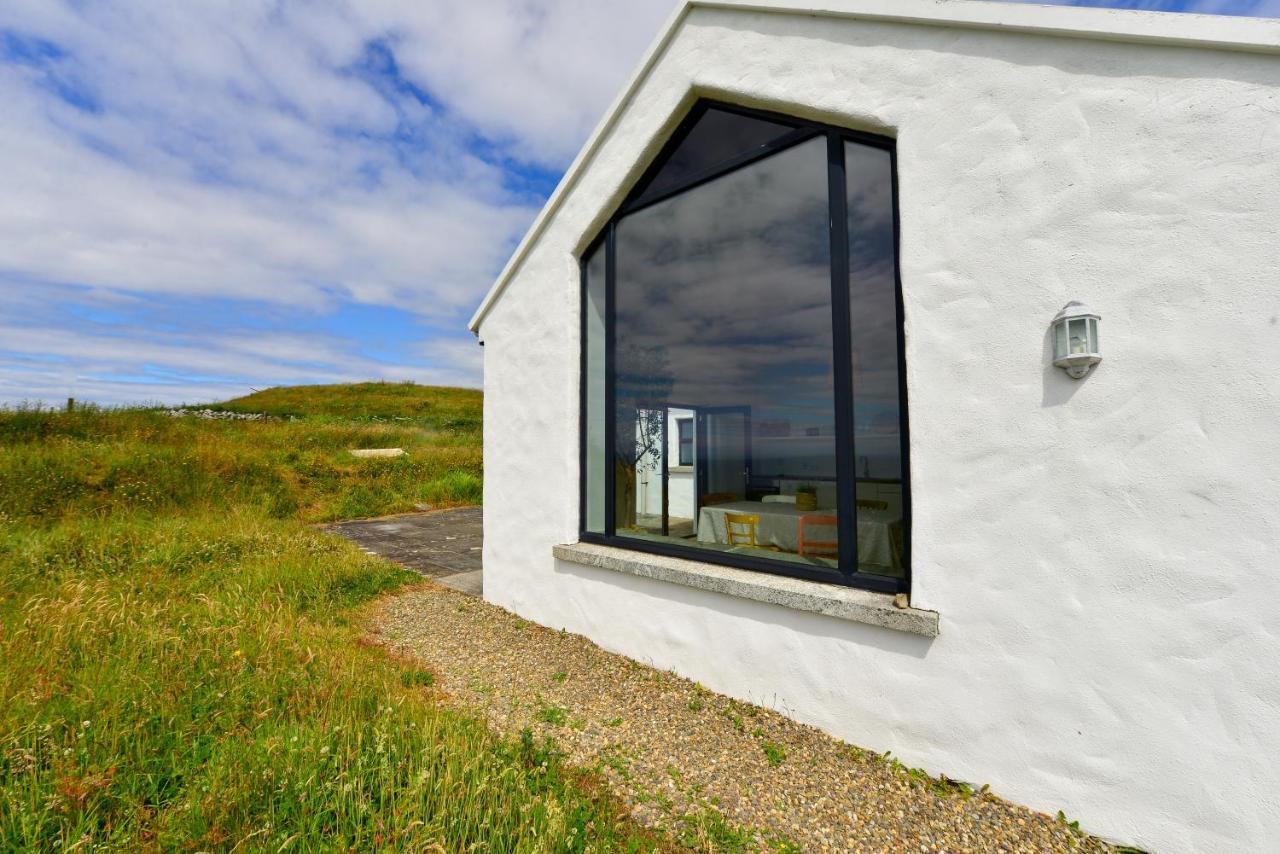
pixel 294 466
pixel 180 657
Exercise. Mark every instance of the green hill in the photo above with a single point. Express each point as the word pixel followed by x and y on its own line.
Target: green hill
pixel 440 407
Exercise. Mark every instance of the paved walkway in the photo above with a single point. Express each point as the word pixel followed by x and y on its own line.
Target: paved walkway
pixel 441 544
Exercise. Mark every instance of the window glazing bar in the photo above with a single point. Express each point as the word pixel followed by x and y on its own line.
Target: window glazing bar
pixel 842 367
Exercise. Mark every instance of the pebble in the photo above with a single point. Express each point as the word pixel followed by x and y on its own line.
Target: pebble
pixel 696 748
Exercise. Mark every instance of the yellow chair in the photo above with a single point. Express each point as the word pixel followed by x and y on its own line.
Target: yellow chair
pixel 741 528
pixel 871 504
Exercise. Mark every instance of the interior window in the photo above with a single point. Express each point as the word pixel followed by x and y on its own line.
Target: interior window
pixel 684 429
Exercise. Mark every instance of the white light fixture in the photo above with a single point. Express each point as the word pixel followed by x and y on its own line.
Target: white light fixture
pixel 1075 339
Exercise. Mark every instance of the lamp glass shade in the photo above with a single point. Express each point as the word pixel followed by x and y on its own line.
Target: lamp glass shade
pixel 1059 339
pixel 1093 336
pixel 1079 337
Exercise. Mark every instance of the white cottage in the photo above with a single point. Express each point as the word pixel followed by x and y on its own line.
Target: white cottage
pixel 775 396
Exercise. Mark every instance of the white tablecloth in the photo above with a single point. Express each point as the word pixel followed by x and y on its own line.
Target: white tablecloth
pixel 780 526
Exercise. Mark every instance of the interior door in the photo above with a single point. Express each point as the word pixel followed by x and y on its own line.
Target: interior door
pixel 724 459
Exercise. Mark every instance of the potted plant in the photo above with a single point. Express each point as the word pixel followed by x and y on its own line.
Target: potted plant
pixel 807 497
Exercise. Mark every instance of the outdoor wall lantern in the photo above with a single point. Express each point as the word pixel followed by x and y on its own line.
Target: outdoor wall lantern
pixel 1075 339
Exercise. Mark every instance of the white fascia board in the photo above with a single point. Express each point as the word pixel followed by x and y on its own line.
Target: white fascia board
pixel 579 163
pixel 1224 32
pixel 1211 32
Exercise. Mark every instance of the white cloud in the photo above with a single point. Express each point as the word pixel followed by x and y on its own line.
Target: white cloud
pixel 262 151
pixel 122 366
pixel 246 157
pixel 538 74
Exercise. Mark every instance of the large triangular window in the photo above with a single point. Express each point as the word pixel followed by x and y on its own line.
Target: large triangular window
pixel 711 138
pixel 743 395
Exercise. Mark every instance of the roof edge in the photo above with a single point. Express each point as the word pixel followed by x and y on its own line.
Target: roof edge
pixel 1187 29
pixel 1178 29
pixel 574 171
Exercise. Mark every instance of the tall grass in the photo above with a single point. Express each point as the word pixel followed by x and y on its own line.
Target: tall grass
pixel 94 462
pixel 180 655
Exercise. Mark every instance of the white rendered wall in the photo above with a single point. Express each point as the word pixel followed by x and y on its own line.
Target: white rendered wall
pixel 680 498
pixel 1103 553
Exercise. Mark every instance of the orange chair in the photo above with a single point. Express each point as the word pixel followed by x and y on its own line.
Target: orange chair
pixel 817 547
pixel 740 528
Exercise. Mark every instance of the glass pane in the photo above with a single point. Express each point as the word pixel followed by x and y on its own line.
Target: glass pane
pixel 877 403
pixel 1079 342
pixel 718 136
pixel 593 516
pixel 1059 340
pixel 724 313
pixel 684 430
pixel 1093 336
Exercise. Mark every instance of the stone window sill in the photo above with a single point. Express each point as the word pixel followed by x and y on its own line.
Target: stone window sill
pixel 833 600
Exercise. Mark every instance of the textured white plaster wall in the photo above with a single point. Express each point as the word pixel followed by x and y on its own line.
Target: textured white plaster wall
pixel 1103 553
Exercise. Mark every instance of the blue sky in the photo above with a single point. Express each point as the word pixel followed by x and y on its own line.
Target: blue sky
pixel 201 198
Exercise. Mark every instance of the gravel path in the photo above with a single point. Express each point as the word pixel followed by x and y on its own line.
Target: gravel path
pixel 713 772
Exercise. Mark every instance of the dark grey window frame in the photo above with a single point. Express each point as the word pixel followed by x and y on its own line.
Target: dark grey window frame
pixel 682 440
pixel 843 371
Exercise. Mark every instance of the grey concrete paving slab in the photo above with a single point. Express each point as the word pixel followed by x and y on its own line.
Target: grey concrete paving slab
pixel 440 544
pixel 471 583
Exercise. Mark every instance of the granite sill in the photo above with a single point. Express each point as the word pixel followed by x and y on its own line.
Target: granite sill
pixel 833 600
